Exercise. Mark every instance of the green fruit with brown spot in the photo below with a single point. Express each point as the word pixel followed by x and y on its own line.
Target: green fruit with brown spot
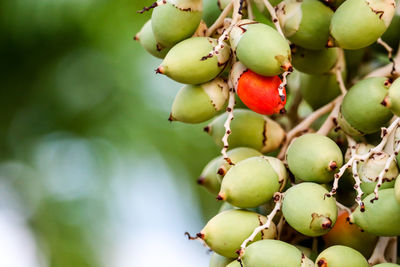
pixel 176 21
pixel 392 100
pixel 236 155
pixel 361 111
pixel 219 261
pixel 307 209
pixel 274 253
pixel 314 158
pixel 209 178
pixel 341 256
pixel 253 182
pixel 146 38
pixel 381 217
pixel 199 103
pixel 183 62
pixel 225 232
pixel 248 129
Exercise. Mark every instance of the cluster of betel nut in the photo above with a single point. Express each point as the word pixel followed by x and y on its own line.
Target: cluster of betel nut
pixel 315 190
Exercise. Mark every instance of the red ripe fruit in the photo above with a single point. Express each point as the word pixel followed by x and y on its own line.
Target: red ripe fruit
pixel 260 93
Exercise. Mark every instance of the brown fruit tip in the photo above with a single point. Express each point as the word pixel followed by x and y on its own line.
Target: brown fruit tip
pixel 327 224
pixel 201 180
pixel 221 196
pixel 333 165
pixel 385 102
pixel 207 129
pixel 330 42
pixel 221 171
pixel 171 118
pixel 136 37
pixel 160 70
pixel 200 235
pixel 322 263
pixel 287 67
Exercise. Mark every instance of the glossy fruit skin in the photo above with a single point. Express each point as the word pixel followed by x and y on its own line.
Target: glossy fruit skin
pixel 273 253
pixel 355 24
pixel 314 61
pixel 146 38
pixel 350 235
pixel 392 100
pixel 234 263
pixel 305 23
pixel 362 109
pixel 250 183
pixel 183 62
pixel 249 129
pixel 308 211
pixel 219 261
pixel 199 103
pixel 382 217
pixel 387 265
pixel 256 51
pixel 260 93
pixel 314 158
pixel 341 256
pixel 236 155
pixel 209 178
pixel 226 231
pixel 318 90
pixel 171 24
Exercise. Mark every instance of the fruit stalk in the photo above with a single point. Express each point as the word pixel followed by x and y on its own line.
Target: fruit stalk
pixel 389 49
pixel 154 5
pixel 388 69
pixel 220 20
pixel 378 256
pixel 274 17
pixel 278 198
pixel 227 124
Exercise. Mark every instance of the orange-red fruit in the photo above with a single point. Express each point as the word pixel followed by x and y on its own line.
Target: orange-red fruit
pixel 260 93
pixel 346 234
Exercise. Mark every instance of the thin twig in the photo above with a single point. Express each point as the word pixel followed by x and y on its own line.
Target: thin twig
pixel 227 124
pixel 250 13
pixel 220 20
pixel 330 122
pixel 378 256
pixel 389 50
pixel 305 124
pixel 154 5
pixel 388 69
pixel 278 198
pixel 274 17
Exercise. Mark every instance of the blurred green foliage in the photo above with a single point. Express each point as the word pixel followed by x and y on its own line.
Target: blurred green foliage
pixel 70 67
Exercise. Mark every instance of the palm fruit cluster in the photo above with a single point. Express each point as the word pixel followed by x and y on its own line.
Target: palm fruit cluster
pixel 315 127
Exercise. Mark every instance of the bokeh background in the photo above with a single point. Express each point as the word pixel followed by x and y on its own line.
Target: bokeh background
pixel 91 171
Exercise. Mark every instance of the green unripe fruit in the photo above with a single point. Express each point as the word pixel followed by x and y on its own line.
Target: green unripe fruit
pixel 361 110
pixel 305 23
pixel 341 256
pixel 397 190
pixel 236 155
pixel 382 217
pixel 314 61
pixel 314 158
pixel 183 62
pixel 392 100
pixel 252 182
pixel 176 20
pixel 225 232
pixel 219 261
pixel 234 263
pixel 319 90
pixel 359 23
pixel 307 209
pixel 209 178
pixel 248 129
pixel 274 253
pixel 391 35
pixel 387 265
pixel 260 48
pixel 147 40
pixel 199 103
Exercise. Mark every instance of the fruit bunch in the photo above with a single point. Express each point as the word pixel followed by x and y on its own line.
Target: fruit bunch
pixel 310 158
